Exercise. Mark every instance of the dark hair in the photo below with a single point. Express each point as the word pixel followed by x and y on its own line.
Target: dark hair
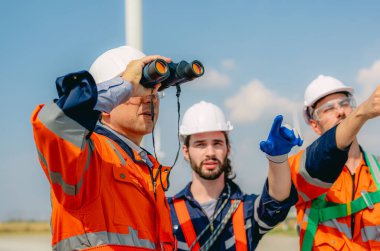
pixel 228 173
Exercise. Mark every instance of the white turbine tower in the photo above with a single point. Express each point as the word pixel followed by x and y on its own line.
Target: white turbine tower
pixel 133 23
pixel 134 38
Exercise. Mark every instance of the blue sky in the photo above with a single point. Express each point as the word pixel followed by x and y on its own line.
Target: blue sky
pixel 259 57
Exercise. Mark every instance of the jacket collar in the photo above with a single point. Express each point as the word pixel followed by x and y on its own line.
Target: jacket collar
pixel 105 131
pixel 236 193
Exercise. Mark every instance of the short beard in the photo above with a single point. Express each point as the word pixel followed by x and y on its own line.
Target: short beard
pixel 210 175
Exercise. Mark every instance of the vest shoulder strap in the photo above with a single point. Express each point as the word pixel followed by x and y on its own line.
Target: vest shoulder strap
pixel 186 223
pixel 187 227
pixel 238 225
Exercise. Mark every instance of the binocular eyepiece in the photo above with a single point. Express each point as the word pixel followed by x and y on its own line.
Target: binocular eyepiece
pixel 170 74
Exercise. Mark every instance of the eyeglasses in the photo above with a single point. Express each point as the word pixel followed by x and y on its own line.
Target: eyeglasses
pixel 146 99
pixel 332 106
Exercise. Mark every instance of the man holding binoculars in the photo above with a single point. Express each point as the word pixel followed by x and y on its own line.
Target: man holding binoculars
pixel 107 193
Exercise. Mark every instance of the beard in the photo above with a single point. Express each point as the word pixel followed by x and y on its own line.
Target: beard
pixel 209 174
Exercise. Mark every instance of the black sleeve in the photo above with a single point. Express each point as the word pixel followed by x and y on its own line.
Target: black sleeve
pixel 324 160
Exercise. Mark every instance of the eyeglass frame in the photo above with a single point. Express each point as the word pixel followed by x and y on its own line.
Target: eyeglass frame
pixel 142 99
pixel 332 104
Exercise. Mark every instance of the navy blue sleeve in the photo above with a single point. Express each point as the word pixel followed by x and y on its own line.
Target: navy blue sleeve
pixel 77 98
pixel 268 212
pixel 324 160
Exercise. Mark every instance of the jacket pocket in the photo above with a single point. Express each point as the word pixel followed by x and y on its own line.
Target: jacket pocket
pixel 327 242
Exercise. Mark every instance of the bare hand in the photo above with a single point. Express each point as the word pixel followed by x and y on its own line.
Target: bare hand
pixel 133 74
pixel 371 107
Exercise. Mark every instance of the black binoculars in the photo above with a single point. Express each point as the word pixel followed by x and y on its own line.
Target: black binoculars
pixel 170 74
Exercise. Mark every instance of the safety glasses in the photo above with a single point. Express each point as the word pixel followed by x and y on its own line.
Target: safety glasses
pixel 153 98
pixel 332 106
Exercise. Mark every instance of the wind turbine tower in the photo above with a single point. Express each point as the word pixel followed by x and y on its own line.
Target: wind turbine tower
pixel 134 38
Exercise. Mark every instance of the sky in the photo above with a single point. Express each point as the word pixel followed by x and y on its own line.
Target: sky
pixel 259 56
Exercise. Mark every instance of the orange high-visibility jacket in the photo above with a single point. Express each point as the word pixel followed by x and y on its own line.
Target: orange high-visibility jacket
pixel 103 198
pixel 350 227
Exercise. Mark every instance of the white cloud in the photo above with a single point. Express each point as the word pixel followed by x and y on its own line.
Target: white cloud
pixel 369 78
pixel 228 64
pixel 254 100
pixel 213 79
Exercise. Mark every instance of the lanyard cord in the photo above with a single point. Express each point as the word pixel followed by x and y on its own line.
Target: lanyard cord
pixel 154 125
pixel 178 93
pixel 222 225
pixel 213 217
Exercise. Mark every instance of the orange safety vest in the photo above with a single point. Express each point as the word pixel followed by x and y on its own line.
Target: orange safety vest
pixel 344 215
pixel 191 236
pixel 102 198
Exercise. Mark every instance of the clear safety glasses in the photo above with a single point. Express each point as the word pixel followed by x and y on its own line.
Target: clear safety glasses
pixel 146 99
pixel 332 106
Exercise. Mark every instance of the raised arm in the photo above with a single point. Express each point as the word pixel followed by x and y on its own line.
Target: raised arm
pixel 280 141
pixel 62 129
pixel 349 127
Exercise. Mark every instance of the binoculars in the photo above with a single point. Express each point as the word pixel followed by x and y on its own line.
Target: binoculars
pixel 170 74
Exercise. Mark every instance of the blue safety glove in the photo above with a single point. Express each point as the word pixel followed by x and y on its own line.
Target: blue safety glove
pixel 280 141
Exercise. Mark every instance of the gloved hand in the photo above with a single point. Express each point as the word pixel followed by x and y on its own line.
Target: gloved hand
pixel 280 141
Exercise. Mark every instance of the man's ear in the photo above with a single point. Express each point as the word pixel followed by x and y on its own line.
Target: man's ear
pixel 185 151
pixel 315 126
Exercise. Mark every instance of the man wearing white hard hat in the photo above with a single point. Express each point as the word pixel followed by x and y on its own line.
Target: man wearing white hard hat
pixel 107 192
pixel 336 179
pixel 211 212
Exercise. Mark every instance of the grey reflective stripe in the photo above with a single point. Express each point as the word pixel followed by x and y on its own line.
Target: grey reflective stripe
pixel 248 223
pixel 263 231
pixel 182 245
pixel 306 215
pixel 122 160
pixel 230 242
pixel 343 228
pixel 303 196
pixel 370 233
pixel 305 174
pixel 256 215
pixel 56 177
pixel 79 242
pixel 63 126
pixel 278 159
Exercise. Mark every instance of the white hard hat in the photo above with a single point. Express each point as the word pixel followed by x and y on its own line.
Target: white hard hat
pixel 204 117
pixel 113 62
pixel 319 88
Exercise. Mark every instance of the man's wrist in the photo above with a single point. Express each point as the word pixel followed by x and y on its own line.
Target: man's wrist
pixel 277 159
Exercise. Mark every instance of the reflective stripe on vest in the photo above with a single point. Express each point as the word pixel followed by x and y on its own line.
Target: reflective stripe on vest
pixel 53 118
pixel 56 177
pixel 116 248
pixel 81 242
pixel 185 223
pixel 320 212
pixel 187 227
pixel 238 226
